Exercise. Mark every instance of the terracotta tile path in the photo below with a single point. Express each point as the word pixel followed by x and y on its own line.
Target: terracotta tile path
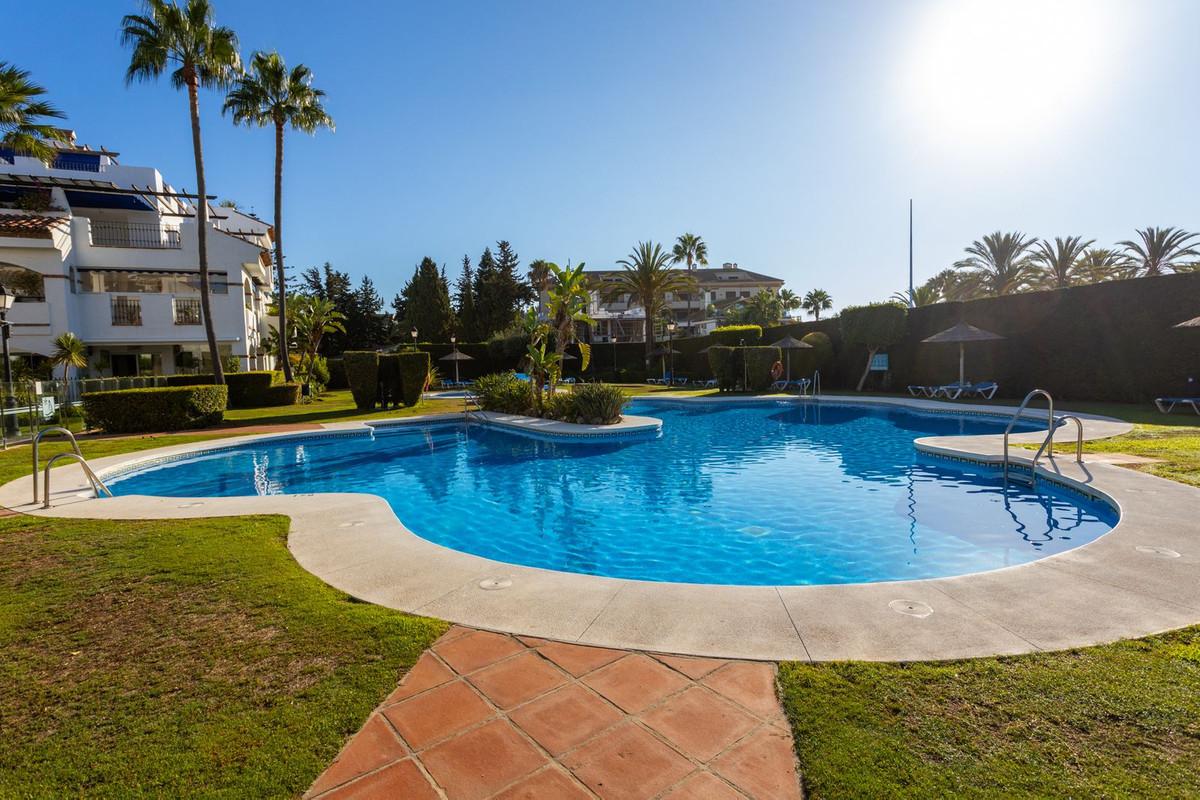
pixel 486 715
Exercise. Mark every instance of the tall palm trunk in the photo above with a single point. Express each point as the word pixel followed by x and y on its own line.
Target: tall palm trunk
pixel 649 335
pixel 202 231
pixel 279 275
pixel 689 308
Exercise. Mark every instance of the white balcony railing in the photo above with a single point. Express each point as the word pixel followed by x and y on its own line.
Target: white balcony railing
pixel 142 235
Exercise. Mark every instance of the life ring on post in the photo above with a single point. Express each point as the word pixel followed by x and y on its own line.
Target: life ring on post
pixel 777 370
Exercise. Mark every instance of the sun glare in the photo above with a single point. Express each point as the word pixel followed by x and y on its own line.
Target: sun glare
pixel 984 76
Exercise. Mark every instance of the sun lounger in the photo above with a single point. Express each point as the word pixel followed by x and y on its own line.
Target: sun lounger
pixel 986 390
pixel 951 391
pixel 917 390
pixel 1167 404
pixel 711 383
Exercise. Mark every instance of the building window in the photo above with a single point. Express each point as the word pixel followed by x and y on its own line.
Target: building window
pixel 145 282
pixel 187 310
pixel 745 294
pixel 126 311
pixel 28 286
pixel 731 295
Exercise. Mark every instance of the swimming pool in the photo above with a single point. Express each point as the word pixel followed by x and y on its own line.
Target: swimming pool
pixel 763 493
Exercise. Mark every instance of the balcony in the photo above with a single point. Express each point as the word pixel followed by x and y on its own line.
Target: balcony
pixel 127 311
pixel 142 235
pixel 187 311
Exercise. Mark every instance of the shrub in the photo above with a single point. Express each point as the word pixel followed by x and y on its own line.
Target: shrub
pixel 281 394
pixel 874 327
pixel 362 375
pixel 389 379
pixel 504 392
pixel 189 380
pixel 337 374
pixel 758 361
pixel 150 410
pixel 318 372
pixel 726 366
pixel 246 389
pixel 596 404
pixel 414 375
pixel 734 335
pixel 560 406
pixel 822 351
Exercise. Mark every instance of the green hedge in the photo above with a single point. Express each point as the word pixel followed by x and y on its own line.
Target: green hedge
pixel 337 374
pixel 735 335
pixel 190 380
pixel 281 394
pixel 726 366
pixel 414 374
pixel 390 391
pixel 759 361
pixel 249 389
pixel 151 410
pixel 362 374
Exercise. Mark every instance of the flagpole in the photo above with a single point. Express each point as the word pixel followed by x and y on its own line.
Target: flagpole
pixel 911 292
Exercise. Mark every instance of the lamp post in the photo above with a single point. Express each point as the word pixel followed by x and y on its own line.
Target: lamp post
pixel 671 349
pixel 413 334
pixel 454 345
pixel 6 301
pixel 745 367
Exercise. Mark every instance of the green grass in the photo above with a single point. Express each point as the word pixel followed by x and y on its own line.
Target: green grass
pixel 1119 720
pixel 182 659
pixel 337 406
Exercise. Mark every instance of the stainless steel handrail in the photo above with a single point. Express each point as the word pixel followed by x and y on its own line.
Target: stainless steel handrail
pixel 97 484
pixel 37 440
pixel 816 383
pixel 1049 422
pixel 1049 440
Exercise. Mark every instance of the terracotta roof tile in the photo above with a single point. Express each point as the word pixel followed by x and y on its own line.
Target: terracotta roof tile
pixel 28 227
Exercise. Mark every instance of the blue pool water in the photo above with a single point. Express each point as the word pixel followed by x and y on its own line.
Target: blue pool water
pixel 762 493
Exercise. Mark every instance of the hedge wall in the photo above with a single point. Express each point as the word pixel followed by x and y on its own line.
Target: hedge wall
pixel 362 373
pixel 152 410
pixel 759 361
pixel 413 368
pixel 337 374
pixel 726 366
pixel 389 380
pixel 736 335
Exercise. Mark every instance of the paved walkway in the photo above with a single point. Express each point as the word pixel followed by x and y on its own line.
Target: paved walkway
pixel 486 715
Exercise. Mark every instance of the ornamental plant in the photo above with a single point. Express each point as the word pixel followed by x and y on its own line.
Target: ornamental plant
pixel 875 327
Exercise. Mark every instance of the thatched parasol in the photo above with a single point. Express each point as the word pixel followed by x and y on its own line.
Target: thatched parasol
pixel 787 344
pixel 456 357
pixel 961 334
pixel 1191 323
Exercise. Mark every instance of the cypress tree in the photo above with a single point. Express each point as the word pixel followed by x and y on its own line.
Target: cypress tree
pixel 425 301
pixel 464 303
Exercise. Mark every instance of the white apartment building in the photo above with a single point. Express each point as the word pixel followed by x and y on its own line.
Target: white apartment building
pixel 110 253
pixel 695 313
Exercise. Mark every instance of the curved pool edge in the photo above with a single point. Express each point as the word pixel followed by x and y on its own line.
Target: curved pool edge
pixel 1138 579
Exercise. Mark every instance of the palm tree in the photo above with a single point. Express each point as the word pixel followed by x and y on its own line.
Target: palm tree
pixel 309 320
pixel 1000 264
pixel 689 249
pixel 789 300
pixel 1098 264
pixel 69 351
pixel 539 277
pixel 567 305
pixel 646 279
pixel 926 294
pixel 201 54
pixel 270 94
pixel 1057 265
pixel 1160 250
pixel 20 113
pixel 816 301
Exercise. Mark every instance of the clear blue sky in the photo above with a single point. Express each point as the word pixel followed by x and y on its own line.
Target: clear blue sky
pixel 789 135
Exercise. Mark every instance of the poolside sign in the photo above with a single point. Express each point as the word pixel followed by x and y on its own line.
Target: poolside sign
pixel 48 407
pixel 879 362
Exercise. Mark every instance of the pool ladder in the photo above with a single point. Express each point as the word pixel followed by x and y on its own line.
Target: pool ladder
pixel 97 485
pixel 1053 423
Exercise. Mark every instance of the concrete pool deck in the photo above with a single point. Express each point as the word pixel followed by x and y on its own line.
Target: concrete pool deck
pixel 1141 578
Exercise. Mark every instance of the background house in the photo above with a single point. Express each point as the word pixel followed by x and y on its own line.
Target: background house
pixel 109 252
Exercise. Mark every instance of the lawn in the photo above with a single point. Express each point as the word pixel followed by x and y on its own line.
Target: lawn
pixel 182 659
pixel 1119 720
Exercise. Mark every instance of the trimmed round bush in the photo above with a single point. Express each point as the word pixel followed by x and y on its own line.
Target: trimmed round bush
pixel 734 335
pixel 362 374
pixel 169 408
pixel 414 375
